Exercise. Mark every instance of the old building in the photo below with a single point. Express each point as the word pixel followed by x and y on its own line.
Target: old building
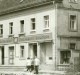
pixel 48 29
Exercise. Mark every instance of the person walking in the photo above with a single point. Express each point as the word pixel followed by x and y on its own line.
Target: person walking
pixel 32 65
pixel 28 64
pixel 36 63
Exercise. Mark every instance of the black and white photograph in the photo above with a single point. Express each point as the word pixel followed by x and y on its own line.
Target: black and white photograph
pixel 39 37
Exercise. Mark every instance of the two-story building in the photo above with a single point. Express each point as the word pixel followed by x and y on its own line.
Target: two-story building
pixel 48 29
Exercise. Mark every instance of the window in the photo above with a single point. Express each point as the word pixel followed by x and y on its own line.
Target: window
pixel 46 21
pixel 73 23
pixel 11 28
pixel 21 26
pixel 22 51
pixel 1 29
pixel 65 57
pixel 33 24
pixel 72 46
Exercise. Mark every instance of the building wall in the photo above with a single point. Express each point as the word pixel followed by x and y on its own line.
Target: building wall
pixel 26 15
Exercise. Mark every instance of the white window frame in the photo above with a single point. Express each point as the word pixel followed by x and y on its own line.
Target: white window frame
pixel 73 23
pixel 22 26
pixel 33 24
pixel 1 29
pixel 11 28
pixel 22 52
pixel 46 21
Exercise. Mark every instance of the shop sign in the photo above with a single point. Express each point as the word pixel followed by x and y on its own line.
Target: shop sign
pixel 6 40
pixel 36 38
pixel 41 37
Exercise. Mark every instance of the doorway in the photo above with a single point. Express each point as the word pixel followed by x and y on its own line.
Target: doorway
pixel 2 52
pixel 11 55
pixel 33 50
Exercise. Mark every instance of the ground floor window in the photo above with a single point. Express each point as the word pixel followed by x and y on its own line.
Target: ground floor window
pixel 65 57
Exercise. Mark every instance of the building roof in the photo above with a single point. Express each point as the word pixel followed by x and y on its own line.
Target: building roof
pixel 7 6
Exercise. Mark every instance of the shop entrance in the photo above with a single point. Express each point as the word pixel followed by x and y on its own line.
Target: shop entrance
pixel 33 50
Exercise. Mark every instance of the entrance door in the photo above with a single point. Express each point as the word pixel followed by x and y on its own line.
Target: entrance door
pixel 2 55
pixel 11 55
pixel 35 50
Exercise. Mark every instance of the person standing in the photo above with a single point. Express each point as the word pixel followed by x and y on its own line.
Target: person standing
pixel 28 64
pixel 32 64
pixel 36 63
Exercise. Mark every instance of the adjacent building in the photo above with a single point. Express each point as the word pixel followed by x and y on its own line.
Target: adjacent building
pixel 48 29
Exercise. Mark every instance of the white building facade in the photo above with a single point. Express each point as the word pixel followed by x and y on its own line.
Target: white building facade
pixel 28 33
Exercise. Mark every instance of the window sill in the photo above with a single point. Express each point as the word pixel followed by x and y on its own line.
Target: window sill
pixel 73 2
pixel 21 34
pixel 11 35
pixel 32 31
pixel 73 30
pixel 46 30
pixel 64 64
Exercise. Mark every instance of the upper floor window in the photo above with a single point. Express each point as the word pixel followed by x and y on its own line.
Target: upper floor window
pixel 73 23
pixel 21 26
pixel 46 21
pixel 1 29
pixel 72 46
pixel 33 24
pixel 11 28
pixel 21 51
pixel 73 1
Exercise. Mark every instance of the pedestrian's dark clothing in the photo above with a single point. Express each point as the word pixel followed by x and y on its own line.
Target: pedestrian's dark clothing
pixel 28 64
pixel 32 65
pixel 28 68
pixel 36 62
pixel 36 69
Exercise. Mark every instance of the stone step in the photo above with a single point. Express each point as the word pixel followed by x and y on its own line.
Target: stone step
pixel 12 68
pixel 46 67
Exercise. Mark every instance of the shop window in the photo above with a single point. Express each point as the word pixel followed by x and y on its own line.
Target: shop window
pixel 33 24
pixel 46 21
pixel 1 29
pixel 65 57
pixel 21 51
pixel 72 46
pixel 73 23
pixel 21 26
pixel 11 28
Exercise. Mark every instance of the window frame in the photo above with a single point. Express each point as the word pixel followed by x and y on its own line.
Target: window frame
pixel 67 55
pixel 75 24
pixel 33 24
pixel 46 22
pixel 21 26
pixel 72 47
pixel 1 29
pixel 22 50
pixel 11 28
